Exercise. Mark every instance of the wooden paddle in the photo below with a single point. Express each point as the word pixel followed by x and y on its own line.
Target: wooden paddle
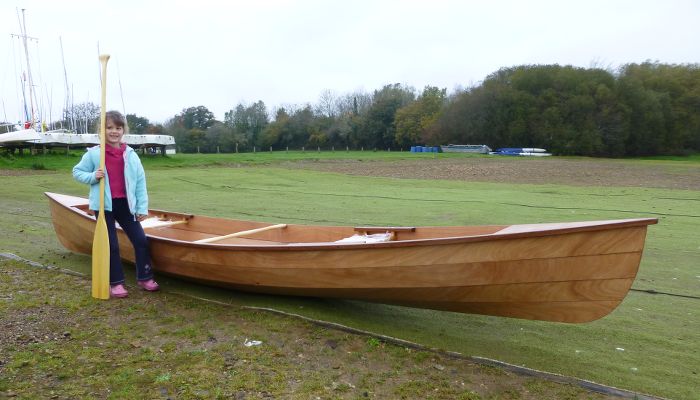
pixel 100 242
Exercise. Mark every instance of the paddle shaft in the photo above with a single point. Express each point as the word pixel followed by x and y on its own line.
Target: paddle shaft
pixel 100 243
pixel 103 128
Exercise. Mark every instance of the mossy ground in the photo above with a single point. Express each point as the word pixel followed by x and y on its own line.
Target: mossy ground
pixel 58 342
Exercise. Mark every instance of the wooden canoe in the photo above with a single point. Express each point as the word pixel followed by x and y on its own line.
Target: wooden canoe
pixel 566 272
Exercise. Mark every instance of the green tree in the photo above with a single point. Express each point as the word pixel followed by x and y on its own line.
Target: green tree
pixel 195 118
pixel 275 130
pixel 189 129
pixel 379 130
pixel 295 130
pixel 195 140
pixel 155 129
pixel 137 125
pixel 339 131
pixel 344 130
pixel 248 122
pixel 413 120
pixel 663 101
pixel 567 110
pixel 220 137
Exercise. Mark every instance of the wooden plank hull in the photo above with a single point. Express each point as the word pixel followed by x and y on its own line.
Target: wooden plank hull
pixel 571 272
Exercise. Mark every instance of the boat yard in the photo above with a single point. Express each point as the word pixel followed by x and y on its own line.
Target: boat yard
pixel 31 139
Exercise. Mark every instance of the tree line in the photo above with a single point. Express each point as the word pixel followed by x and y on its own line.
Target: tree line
pixel 637 110
pixel 641 109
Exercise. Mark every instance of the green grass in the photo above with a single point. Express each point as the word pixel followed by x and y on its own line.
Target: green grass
pixel 59 161
pixel 659 333
pixel 690 158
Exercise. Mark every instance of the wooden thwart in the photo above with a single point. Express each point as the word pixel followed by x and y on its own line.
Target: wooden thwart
pixel 241 233
pixel 146 224
pixel 382 229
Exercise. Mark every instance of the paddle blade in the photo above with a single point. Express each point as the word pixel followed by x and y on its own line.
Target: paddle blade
pixel 100 260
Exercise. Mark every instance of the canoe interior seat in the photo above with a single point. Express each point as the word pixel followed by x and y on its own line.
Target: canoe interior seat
pixel 368 238
pixel 380 229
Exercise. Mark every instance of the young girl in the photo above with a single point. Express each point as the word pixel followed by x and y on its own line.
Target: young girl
pixel 126 201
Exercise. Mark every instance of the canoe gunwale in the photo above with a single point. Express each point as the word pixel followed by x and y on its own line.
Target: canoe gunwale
pixel 403 243
pixel 590 227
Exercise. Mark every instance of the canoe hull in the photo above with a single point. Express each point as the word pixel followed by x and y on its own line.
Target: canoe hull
pixel 568 276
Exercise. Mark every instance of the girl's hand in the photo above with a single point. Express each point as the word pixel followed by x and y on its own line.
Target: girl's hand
pixel 99 174
pixel 141 217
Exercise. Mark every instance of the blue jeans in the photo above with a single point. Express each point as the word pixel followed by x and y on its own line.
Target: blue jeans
pixel 120 213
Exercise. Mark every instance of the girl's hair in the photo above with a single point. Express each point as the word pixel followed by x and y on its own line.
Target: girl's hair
pixel 117 119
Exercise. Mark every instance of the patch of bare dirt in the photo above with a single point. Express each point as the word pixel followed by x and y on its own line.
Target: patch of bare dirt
pixel 576 172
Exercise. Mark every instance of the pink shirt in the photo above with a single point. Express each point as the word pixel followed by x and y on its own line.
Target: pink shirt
pixel 114 161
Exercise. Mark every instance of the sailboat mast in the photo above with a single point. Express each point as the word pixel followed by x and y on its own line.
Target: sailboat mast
pixel 121 92
pixel 4 113
pixel 23 29
pixel 67 106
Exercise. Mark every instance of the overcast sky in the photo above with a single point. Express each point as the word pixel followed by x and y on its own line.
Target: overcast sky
pixel 169 55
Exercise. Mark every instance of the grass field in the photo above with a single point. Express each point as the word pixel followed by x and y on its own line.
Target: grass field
pixel 649 344
pixel 60 161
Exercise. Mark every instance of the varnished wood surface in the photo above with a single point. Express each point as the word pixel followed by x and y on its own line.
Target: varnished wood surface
pixel 567 272
pixel 239 234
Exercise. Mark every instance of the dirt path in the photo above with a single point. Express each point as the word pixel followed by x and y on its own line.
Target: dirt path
pixel 578 172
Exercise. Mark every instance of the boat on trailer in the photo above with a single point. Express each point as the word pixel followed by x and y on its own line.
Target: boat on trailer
pixel 466 148
pixel 521 151
pixel 566 272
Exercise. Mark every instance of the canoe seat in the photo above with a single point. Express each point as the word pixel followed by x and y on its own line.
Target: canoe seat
pixel 377 229
pixel 374 233
pixel 368 238
pixel 156 222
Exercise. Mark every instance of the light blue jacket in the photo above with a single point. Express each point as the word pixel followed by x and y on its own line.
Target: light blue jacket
pixel 134 175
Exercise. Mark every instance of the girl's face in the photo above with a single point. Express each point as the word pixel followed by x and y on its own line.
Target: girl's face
pixel 113 133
